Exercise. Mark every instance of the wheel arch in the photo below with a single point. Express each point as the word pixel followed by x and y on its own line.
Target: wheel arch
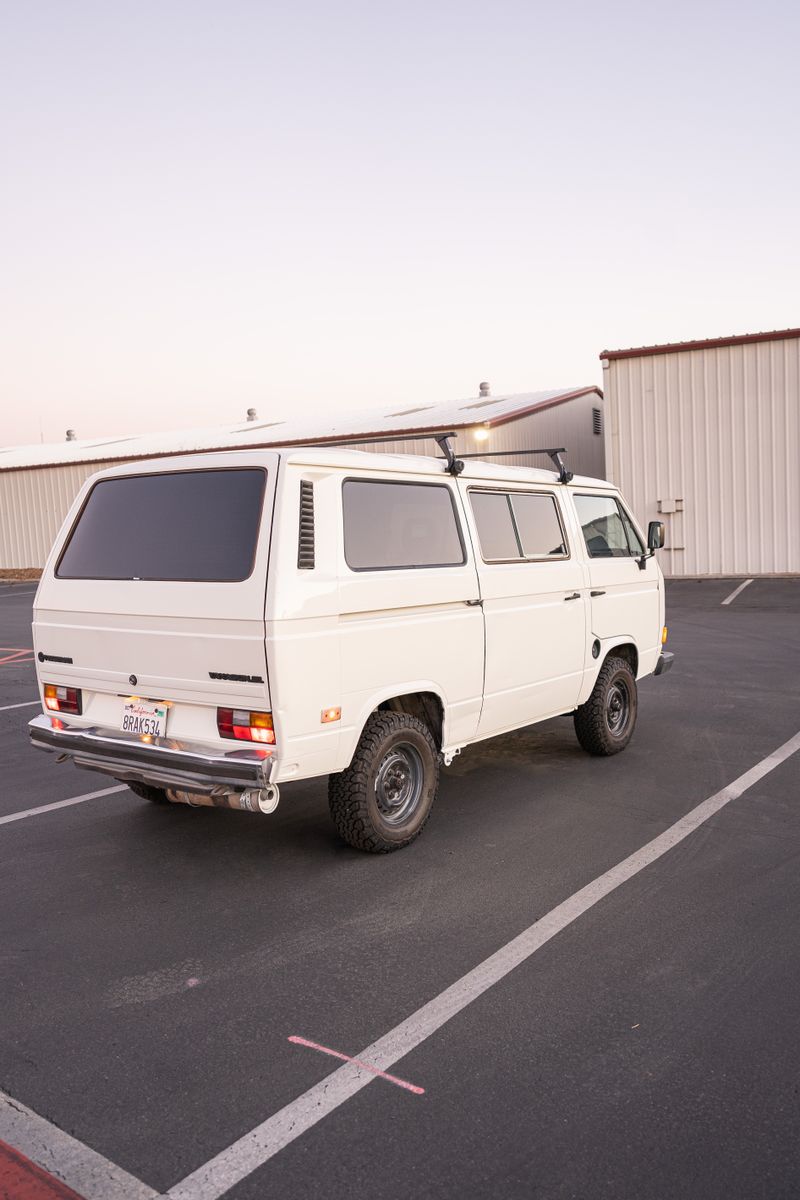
pixel 623 646
pixel 422 699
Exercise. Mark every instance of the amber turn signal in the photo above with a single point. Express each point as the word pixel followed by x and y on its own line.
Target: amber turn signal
pixel 664 636
pixel 330 714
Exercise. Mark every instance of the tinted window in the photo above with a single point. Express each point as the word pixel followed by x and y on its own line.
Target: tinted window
pixel 605 527
pixel 513 526
pixel 184 525
pixel 538 525
pixel 634 541
pixel 495 525
pixel 390 525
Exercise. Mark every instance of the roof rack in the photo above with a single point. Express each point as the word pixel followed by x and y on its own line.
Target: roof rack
pixel 452 464
pixel 564 475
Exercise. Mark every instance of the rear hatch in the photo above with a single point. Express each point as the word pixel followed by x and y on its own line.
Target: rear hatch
pixel 156 589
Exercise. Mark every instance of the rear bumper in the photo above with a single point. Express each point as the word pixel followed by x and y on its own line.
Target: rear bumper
pixel 177 765
pixel 664 663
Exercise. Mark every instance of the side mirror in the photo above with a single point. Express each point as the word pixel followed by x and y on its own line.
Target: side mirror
pixel 655 536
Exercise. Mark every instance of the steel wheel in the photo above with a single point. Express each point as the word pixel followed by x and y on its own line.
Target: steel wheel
pixel 618 708
pixel 398 783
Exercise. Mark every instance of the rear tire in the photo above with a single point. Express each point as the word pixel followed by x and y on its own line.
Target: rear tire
pixel 154 795
pixel 383 799
pixel 605 723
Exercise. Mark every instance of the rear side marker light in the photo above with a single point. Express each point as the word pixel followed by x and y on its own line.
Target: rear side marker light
pixel 664 636
pixel 245 726
pixel 330 714
pixel 63 699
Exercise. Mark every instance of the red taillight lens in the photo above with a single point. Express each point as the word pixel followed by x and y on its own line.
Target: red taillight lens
pixel 63 699
pixel 245 726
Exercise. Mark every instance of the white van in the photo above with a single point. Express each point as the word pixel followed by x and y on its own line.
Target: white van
pixel 210 627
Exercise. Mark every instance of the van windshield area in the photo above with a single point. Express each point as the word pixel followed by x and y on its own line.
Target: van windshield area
pixel 187 526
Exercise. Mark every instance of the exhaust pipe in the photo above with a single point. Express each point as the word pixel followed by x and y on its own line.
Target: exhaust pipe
pixel 258 800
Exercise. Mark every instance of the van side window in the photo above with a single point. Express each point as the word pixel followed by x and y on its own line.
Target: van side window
pixel 496 531
pixel 388 526
pixel 517 526
pixel 607 528
pixel 538 526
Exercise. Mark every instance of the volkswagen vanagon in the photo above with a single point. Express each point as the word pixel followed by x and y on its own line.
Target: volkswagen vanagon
pixel 210 628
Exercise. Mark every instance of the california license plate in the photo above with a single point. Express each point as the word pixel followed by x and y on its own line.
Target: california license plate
pixel 144 718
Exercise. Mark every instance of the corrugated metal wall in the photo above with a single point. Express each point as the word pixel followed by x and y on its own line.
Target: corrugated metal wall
pixel 714 435
pixel 34 502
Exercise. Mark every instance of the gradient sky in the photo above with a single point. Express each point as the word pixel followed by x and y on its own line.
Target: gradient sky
pixel 306 206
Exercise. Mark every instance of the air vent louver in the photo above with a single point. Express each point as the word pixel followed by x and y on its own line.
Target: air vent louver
pixel 305 543
pixel 597 420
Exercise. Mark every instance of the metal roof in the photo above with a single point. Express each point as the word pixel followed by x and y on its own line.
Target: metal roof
pixel 740 339
pixel 401 419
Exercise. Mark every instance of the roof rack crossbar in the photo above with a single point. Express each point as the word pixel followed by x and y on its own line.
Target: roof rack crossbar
pixel 564 475
pixel 454 465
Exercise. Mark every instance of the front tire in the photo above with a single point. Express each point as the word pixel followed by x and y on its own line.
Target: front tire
pixel 605 723
pixel 383 799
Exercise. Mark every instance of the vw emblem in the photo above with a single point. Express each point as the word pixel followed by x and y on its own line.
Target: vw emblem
pixel 132 680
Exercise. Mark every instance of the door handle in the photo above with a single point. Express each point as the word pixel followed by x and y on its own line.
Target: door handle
pixel 574 596
pixel 473 603
pixel 597 593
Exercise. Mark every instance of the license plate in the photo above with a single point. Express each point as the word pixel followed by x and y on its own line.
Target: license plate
pixel 140 717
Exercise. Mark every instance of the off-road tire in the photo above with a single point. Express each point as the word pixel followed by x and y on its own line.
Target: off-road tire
pixel 594 720
pixel 154 795
pixel 353 793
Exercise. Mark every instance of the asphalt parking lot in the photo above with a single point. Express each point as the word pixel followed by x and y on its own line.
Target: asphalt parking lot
pixel 156 962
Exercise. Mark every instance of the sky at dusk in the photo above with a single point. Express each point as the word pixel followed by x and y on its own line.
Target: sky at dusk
pixel 304 207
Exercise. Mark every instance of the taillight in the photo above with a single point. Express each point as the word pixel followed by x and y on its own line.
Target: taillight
pixel 245 726
pixel 63 699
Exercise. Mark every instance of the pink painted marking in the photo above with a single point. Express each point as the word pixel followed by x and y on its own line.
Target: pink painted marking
pixel 16 656
pixel 403 1083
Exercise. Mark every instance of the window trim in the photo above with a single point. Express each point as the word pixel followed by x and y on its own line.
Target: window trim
pixel 508 492
pixel 145 475
pixel 411 566
pixel 623 512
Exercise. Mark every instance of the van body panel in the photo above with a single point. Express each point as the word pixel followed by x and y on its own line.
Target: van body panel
pixel 535 637
pixel 183 642
pixel 626 600
pixel 409 630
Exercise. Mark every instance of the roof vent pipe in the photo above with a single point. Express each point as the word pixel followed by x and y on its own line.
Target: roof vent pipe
pixel 71 436
pixel 483 389
pixel 252 415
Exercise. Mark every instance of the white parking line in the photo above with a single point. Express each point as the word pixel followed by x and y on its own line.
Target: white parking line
pixel 14 592
pixel 25 704
pixel 82 1169
pixel 43 808
pixel 730 599
pixel 267 1139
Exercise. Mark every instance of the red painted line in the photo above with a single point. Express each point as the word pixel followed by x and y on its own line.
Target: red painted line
pixel 18 656
pixel 403 1083
pixel 21 1179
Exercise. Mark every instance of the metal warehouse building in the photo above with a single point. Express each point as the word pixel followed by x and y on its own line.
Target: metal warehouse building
pixel 39 483
pixel 706 437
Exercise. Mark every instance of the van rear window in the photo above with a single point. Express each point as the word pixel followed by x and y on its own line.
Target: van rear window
pixel 187 526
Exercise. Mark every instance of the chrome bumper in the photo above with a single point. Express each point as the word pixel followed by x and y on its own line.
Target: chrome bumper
pixel 176 764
